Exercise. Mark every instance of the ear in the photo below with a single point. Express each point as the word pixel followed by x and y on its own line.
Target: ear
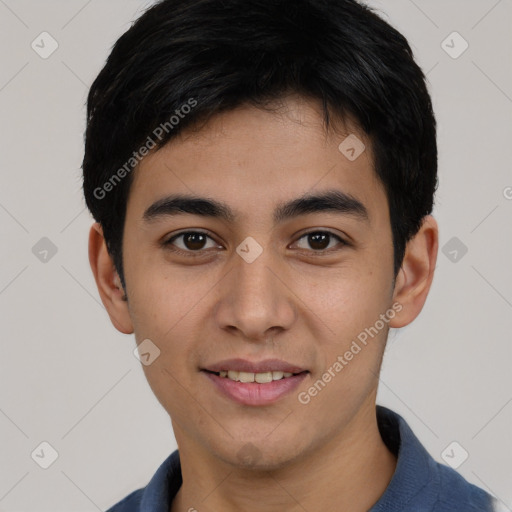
pixel 108 282
pixel 416 274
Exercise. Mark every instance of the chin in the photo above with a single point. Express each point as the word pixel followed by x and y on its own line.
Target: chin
pixel 260 455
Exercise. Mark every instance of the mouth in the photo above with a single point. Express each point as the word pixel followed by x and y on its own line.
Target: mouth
pixel 260 377
pixel 255 384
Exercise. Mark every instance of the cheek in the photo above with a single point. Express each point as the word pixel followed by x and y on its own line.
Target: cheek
pixel 344 302
pixel 161 297
pixel 166 313
pixel 351 342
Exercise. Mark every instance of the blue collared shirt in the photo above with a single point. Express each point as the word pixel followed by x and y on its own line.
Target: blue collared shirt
pixel 419 484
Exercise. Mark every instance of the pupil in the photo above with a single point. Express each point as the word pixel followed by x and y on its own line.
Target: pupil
pixel 191 240
pixel 318 240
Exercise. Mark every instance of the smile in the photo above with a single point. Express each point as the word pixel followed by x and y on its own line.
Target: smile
pixel 260 378
pixel 254 389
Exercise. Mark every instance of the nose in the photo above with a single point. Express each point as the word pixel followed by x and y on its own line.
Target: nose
pixel 256 300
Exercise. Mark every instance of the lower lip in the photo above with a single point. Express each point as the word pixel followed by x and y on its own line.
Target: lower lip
pixel 253 393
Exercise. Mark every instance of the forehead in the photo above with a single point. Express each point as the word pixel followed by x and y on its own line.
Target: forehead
pixel 256 158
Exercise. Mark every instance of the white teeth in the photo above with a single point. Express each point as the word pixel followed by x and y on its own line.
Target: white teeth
pixel 233 375
pixel 246 377
pixel 261 378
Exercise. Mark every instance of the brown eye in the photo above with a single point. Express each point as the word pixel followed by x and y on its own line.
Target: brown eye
pixel 190 241
pixel 194 241
pixel 320 240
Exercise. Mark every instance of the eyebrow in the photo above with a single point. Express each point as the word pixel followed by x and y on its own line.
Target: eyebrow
pixel 329 201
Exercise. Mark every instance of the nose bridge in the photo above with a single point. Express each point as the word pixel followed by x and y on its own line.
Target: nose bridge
pixel 254 299
pixel 254 280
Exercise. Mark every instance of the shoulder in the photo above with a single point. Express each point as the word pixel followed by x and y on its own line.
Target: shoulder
pixel 456 493
pixel 130 503
pixel 158 494
pixel 420 483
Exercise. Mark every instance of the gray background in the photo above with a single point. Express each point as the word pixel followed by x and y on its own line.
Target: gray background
pixel 70 379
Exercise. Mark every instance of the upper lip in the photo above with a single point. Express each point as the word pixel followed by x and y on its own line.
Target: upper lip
pixel 243 365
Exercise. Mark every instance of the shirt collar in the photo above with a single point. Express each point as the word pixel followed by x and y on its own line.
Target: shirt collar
pixel 415 469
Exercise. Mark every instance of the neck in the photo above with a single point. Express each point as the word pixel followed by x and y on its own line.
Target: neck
pixel 349 472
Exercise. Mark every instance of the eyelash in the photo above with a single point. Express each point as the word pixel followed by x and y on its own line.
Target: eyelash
pixel 168 244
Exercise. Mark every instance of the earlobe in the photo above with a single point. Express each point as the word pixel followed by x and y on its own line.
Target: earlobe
pixel 415 277
pixel 108 282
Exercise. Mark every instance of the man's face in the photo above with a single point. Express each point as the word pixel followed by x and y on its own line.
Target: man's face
pixel 211 297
